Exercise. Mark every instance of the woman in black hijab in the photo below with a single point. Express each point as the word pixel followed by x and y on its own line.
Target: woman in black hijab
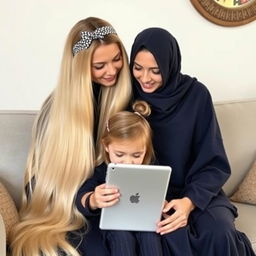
pixel 198 218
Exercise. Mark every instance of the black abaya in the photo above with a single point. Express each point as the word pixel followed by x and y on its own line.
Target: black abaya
pixel 187 137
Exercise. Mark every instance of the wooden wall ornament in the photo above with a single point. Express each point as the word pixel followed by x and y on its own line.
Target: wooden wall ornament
pixel 227 12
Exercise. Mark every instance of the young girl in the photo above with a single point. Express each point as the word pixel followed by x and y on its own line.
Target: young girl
pixel 126 139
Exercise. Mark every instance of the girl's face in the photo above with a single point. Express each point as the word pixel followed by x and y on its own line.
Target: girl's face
pixel 107 61
pixel 146 71
pixel 126 151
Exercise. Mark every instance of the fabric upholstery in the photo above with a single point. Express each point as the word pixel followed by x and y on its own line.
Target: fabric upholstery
pixel 15 137
pixel 2 237
pixel 246 221
pixel 246 192
pixel 8 210
pixel 237 120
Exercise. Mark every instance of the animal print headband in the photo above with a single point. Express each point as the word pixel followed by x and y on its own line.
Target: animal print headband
pixel 87 38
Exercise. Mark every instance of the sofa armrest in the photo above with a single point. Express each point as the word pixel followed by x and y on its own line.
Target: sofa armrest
pixel 2 237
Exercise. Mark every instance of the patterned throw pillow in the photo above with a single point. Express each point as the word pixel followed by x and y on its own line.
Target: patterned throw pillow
pixel 8 210
pixel 246 192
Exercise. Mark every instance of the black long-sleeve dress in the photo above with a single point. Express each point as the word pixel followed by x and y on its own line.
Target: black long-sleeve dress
pixel 187 137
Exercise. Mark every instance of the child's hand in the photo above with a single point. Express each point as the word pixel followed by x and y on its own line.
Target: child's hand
pixel 182 208
pixel 104 197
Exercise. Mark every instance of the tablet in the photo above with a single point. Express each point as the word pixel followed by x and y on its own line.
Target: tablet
pixel 143 189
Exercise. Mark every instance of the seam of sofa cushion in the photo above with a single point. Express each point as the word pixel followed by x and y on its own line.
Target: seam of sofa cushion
pixel 18 112
pixel 225 102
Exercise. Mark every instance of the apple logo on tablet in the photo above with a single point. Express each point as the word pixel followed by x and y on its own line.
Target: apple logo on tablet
pixel 135 198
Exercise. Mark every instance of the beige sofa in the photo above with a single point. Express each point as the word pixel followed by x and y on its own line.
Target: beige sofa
pixel 237 122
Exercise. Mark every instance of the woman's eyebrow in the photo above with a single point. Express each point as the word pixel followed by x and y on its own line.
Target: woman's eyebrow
pixel 137 64
pixel 142 66
pixel 99 63
pixel 117 55
pixel 103 62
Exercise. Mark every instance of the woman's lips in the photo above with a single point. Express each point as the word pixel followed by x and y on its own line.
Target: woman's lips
pixel 147 86
pixel 110 79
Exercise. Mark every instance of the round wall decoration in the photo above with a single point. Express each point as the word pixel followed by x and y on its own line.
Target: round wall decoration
pixel 227 12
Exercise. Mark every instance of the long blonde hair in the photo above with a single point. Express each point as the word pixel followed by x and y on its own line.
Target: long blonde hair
pixel 62 153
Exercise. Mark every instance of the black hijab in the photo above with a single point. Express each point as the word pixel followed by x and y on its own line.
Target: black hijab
pixel 165 49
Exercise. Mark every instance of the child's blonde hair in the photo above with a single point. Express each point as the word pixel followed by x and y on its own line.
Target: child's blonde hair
pixel 126 125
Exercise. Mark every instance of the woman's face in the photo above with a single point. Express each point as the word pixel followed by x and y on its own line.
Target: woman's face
pixel 107 61
pixel 126 151
pixel 146 71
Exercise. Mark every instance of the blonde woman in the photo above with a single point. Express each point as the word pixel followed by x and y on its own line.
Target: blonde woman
pixel 94 83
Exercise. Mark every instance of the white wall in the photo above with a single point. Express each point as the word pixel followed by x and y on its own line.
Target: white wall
pixel 32 36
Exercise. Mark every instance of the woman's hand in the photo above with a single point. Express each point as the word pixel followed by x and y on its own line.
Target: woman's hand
pixel 182 208
pixel 104 196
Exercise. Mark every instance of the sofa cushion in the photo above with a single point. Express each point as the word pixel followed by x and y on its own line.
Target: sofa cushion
pixel 246 192
pixel 245 221
pixel 8 210
pixel 15 138
pixel 2 237
pixel 237 121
